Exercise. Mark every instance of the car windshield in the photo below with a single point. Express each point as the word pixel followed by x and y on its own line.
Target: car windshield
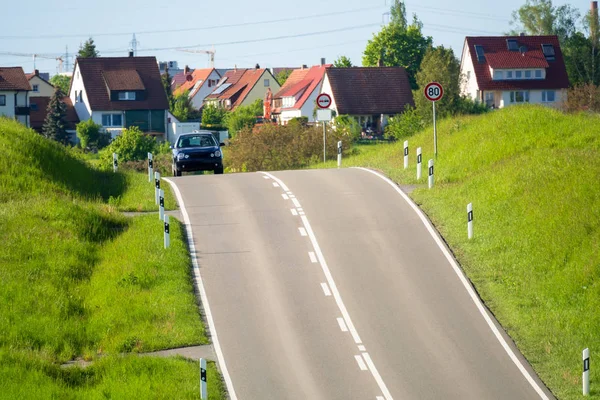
pixel 196 141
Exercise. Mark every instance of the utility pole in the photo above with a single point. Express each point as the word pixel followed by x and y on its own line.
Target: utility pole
pixel 133 45
pixel 67 58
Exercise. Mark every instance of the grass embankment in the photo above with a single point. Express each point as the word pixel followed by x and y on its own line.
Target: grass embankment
pixel 80 280
pixel 532 176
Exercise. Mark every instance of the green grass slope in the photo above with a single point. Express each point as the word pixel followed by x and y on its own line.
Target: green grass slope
pixel 532 176
pixel 77 278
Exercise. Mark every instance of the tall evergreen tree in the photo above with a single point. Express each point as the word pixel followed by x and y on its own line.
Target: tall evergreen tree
pixel 88 49
pixel 55 126
pixel 166 82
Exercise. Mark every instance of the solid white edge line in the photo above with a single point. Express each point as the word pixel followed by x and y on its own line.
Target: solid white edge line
pixel 325 289
pixel 313 258
pixel 378 378
pixel 361 363
pixel 379 398
pixel 266 177
pixel 296 202
pixel 285 196
pixel 335 291
pixel 275 184
pixel 302 231
pixel 465 283
pixel 200 287
pixel 294 212
pixel 342 324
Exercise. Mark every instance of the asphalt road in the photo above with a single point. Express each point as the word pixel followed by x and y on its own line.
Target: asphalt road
pixel 326 284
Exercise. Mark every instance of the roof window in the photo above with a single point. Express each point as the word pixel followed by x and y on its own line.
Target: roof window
pixel 512 44
pixel 549 52
pixel 480 55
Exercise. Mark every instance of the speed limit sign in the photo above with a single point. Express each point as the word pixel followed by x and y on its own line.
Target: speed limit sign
pixel 434 91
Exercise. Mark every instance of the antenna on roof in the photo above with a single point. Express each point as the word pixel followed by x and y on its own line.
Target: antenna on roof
pixel 133 45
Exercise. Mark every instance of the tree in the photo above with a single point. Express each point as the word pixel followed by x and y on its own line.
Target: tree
pixel 55 126
pixel 166 82
pixel 131 145
pixel 541 17
pixel 61 81
pixel 91 136
pixel 244 117
pixel 88 49
pixel 439 65
pixel 342 62
pixel 283 76
pixel 398 44
pixel 213 115
pixel 182 107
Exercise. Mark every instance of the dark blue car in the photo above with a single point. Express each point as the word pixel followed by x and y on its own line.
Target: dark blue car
pixel 197 151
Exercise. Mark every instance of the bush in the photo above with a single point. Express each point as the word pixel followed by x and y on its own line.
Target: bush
pixel 131 145
pixel 275 147
pixel 404 125
pixel 243 117
pixel 213 115
pixel 584 97
pixel 468 106
pixel 91 136
pixel 348 126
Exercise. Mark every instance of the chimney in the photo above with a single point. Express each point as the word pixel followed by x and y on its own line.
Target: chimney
pixel 130 53
pixel 37 72
pixel 322 61
pixel 304 66
pixel 186 70
pixel 257 66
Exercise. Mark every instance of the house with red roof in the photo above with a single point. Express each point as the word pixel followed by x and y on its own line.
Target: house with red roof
pixel 242 87
pixel 297 96
pixel 504 70
pixel 14 94
pixel 371 95
pixel 120 92
pixel 201 84
pixel 40 87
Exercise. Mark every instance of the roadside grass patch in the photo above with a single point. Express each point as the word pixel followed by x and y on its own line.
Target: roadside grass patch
pixel 532 175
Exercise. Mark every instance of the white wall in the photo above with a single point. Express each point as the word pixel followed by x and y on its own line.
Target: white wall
pixel 309 105
pixel 83 109
pixel 9 109
pixel 176 128
pixel 204 91
pixel 326 88
pixel 287 115
pixel 535 97
pixel 469 85
pixel 44 88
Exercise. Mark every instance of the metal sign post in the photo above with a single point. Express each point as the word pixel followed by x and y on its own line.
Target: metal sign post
pixel 434 92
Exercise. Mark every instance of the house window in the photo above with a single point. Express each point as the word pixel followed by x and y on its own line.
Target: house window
pixel 2 100
pixel 509 74
pixel 489 99
pixel 126 95
pixel 112 120
pixel 36 88
pixel 267 83
pixel 527 74
pixel 498 75
pixel 520 96
pixel 548 96
pixel 34 107
pixel 518 74
pixel 538 74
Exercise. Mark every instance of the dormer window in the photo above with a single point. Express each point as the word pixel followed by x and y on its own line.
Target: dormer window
pixel 498 75
pixel 512 44
pixel 126 95
pixel 549 52
pixel 480 54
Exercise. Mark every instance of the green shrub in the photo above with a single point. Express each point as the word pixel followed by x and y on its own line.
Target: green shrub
pixel 131 145
pixel 404 125
pixel 213 116
pixel 348 126
pixel 243 117
pixel 91 136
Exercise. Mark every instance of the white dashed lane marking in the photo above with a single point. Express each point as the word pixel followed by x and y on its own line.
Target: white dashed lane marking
pixel 342 324
pixel 313 257
pixel 302 231
pixel 326 289
pixel 296 202
pixel 294 212
pixel 361 363
pixel 285 196
pixel 275 184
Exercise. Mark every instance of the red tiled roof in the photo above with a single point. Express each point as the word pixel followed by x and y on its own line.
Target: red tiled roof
pixel 498 56
pixel 123 79
pixel 199 75
pixel 241 81
pixel 38 116
pixel 297 76
pixel 303 89
pixel 13 78
pixel 93 71
pixel 370 90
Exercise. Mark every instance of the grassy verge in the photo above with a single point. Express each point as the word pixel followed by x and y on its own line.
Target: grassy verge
pixel 531 174
pixel 79 280
pixel 139 195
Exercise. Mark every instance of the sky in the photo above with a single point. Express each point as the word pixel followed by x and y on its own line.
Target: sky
pixel 243 33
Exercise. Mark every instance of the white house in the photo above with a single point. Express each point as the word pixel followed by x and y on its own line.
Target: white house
pixel 505 70
pixel 297 96
pixel 14 94
pixel 39 86
pixel 200 84
pixel 120 92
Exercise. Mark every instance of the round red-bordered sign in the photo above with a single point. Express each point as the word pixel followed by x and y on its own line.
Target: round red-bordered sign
pixel 434 91
pixel 323 100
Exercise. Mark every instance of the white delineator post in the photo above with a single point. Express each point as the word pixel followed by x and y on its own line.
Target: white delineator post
pixel 150 167
pixel 419 162
pixel 470 220
pixel 115 162
pixel 586 372
pixel 405 154
pixel 203 388
pixel 339 154
pixel 430 165
pixel 156 187
pixel 167 233
pixel 161 204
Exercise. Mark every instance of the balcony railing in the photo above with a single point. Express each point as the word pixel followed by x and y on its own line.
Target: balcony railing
pixel 22 110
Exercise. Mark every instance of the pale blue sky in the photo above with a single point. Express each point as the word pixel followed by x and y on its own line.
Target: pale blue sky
pixel 27 27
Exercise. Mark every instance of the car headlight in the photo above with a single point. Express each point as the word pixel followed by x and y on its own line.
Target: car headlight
pixel 217 153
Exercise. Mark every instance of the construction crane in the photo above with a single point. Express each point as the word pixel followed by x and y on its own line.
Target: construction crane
pixel 211 53
pixel 35 56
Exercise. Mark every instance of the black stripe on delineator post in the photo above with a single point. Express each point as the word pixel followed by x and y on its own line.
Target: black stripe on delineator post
pixel 470 216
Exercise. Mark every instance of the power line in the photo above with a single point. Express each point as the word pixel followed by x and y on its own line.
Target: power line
pixel 203 28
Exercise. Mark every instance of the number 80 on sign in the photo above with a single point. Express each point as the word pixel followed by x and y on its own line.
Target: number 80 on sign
pixel 434 91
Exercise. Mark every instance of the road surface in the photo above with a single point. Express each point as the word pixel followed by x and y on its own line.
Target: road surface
pixel 327 284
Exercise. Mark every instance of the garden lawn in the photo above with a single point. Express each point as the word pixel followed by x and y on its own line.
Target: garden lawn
pixel 532 175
